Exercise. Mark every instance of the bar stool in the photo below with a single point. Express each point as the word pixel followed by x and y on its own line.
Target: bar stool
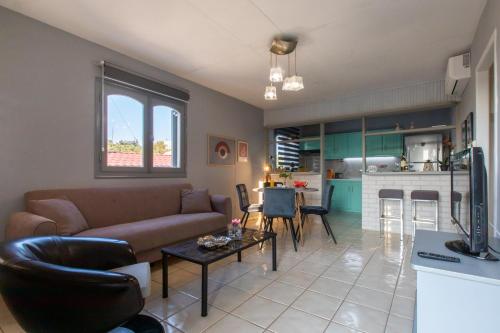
pixel 424 196
pixel 390 195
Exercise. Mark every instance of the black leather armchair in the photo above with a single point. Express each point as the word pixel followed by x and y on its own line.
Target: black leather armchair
pixel 60 284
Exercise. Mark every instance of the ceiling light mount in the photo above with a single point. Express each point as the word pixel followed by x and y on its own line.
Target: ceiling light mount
pixel 283 46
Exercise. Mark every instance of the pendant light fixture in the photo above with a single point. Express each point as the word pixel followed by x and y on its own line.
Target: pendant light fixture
pixel 283 46
pixel 294 82
pixel 270 93
pixel 275 73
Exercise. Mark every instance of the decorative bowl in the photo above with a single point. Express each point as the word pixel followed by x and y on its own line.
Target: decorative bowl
pixel 211 242
pixel 299 183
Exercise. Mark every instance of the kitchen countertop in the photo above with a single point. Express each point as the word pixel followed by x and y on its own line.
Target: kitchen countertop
pixel 407 173
pixel 307 173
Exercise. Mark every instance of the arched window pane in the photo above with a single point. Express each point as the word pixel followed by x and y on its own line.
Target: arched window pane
pixel 125 132
pixel 166 131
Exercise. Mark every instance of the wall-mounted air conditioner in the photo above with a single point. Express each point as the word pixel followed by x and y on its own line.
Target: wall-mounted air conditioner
pixel 457 74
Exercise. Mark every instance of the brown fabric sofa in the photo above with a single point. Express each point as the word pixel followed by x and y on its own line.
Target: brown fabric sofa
pixel 147 217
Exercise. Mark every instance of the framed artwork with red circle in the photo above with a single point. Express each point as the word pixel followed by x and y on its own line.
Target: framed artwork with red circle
pixel 221 150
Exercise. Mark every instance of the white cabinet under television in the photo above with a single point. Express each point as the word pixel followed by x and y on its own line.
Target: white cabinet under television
pixel 454 297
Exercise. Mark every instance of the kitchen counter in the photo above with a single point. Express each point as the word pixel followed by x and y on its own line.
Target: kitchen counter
pixel 407 173
pixel 407 181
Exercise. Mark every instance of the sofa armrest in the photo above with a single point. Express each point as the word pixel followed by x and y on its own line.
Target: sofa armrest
pixel 24 224
pixel 222 204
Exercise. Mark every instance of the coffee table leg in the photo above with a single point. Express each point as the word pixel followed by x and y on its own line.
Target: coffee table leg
pixel 239 256
pixel 165 275
pixel 204 288
pixel 274 252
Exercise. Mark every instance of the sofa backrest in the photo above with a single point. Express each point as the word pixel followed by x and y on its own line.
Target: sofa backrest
pixel 107 206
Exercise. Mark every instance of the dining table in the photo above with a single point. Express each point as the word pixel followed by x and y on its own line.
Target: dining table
pixel 299 201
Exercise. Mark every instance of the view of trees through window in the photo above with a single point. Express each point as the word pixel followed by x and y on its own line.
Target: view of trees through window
pixel 126 132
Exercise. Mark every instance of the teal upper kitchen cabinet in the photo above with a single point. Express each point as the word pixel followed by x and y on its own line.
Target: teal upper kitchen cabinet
pixel 342 145
pixel 384 145
pixel 310 145
pixel 346 195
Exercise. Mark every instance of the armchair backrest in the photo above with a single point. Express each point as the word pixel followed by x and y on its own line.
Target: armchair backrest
pixel 61 284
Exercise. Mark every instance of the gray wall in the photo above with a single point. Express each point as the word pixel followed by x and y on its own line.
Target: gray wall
pixel 47 96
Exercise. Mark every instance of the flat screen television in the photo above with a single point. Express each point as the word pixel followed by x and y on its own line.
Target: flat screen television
pixel 469 203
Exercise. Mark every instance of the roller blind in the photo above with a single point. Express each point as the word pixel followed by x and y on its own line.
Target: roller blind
pixel 114 73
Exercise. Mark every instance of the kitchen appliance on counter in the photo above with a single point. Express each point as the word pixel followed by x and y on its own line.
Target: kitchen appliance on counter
pixel 422 150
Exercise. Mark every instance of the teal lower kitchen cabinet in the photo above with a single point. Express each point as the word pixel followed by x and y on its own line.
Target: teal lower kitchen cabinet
pixel 346 195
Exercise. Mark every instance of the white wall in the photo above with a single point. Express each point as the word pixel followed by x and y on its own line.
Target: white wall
pixel 409 97
pixel 47 95
pixel 487 32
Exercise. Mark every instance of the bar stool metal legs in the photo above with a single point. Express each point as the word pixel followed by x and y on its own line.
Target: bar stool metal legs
pixel 424 196
pixel 390 195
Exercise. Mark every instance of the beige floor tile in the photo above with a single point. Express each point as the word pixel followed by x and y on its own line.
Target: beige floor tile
pixel 330 287
pixel 250 283
pixel 361 318
pixel 281 292
pixel 403 307
pixel 317 304
pixel 311 267
pixel 233 324
pixel 385 282
pixel 180 277
pixel 297 278
pixel 372 298
pixel 260 311
pixel 341 274
pixel 295 321
pixel 165 307
pixel 193 288
pixel 169 329
pixel 266 271
pixel 397 324
pixel 228 298
pixel 190 320
pixel 337 328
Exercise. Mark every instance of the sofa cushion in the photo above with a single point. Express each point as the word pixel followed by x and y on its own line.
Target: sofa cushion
pixel 195 201
pixel 154 233
pixel 69 220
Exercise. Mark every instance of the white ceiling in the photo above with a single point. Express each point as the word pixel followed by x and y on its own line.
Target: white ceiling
pixel 345 46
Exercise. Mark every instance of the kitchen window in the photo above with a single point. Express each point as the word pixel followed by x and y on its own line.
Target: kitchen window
pixel 141 132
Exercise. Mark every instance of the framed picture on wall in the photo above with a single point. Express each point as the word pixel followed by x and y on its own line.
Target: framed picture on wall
pixel 221 150
pixel 242 151
pixel 470 129
pixel 463 128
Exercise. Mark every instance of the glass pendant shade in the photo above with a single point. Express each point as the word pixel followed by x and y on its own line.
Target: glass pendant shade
pixel 276 74
pixel 293 83
pixel 270 94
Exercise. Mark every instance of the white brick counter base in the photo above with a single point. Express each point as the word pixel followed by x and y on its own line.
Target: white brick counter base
pixel 407 182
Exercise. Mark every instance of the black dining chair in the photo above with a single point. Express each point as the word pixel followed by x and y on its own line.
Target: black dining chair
pixel 245 206
pixel 280 203
pixel 322 211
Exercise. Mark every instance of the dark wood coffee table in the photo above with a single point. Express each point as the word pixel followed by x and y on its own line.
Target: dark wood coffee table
pixel 190 251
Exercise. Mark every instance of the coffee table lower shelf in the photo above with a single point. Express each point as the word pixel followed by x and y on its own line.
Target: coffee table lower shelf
pixel 190 251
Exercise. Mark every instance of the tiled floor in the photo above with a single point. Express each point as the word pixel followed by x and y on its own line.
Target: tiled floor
pixel 363 284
